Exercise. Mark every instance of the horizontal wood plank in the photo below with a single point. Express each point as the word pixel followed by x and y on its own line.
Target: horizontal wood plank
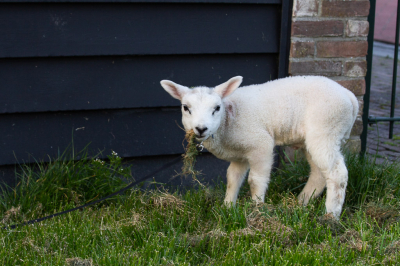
pixel 95 83
pixel 72 29
pixel 131 133
pixel 149 1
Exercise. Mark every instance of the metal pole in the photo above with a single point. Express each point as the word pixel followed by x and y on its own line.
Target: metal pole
pixel 396 56
pixel 371 20
pixel 374 119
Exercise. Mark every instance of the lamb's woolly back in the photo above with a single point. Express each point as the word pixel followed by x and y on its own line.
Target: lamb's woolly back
pixel 314 87
pixel 286 106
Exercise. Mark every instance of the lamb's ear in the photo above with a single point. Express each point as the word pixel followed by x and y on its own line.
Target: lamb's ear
pixel 228 87
pixel 175 90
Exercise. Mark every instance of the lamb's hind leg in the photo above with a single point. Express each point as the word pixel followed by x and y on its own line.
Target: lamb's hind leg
pixel 315 184
pixel 332 166
pixel 336 183
pixel 235 176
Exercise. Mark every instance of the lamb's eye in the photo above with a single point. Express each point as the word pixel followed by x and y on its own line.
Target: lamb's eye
pixel 216 109
pixel 185 108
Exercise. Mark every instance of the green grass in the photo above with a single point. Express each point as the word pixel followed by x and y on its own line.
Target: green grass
pixel 390 143
pixel 194 228
pixel 65 182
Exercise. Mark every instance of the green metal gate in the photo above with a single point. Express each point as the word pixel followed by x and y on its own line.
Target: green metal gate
pixel 367 119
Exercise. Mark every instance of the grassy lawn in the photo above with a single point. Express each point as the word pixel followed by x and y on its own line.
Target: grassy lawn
pixel 193 227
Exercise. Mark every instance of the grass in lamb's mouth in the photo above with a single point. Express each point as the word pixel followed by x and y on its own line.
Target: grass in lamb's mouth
pixel 194 228
pixel 189 157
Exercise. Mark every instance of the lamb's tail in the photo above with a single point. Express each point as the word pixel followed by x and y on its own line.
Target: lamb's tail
pixel 355 104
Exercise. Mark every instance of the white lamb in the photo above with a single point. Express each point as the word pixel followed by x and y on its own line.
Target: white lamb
pixel 242 126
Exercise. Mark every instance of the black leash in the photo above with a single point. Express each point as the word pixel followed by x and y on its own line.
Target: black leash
pixel 165 166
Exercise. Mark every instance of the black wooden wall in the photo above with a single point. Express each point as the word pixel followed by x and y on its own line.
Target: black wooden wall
pixel 90 70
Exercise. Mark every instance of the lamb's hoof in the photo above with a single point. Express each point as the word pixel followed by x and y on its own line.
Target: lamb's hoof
pixel 229 204
pixel 303 199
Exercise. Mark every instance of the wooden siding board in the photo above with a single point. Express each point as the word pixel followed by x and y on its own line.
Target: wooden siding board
pixel 131 133
pixel 88 83
pixel 150 1
pixel 41 30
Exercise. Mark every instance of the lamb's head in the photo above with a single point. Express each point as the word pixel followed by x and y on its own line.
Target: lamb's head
pixel 202 108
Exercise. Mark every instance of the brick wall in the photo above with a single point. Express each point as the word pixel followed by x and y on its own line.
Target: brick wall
pixel 329 38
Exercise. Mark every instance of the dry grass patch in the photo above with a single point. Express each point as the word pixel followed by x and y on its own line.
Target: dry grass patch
pixel 166 262
pixel 290 203
pixel 383 214
pixel 28 242
pixel 259 222
pixel 243 232
pixel 390 260
pixel 329 221
pixel 352 239
pixel 393 248
pixel 260 206
pixel 322 246
pixel 43 247
pixel 11 214
pixel 277 227
pixel 79 262
pixel 136 220
pixel 195 240
pixel 163 200
pixel 217 233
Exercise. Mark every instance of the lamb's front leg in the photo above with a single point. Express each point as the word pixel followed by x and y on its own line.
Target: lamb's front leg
pixel 259 176
pixel 235 176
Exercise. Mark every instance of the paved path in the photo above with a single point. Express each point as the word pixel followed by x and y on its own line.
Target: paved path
pixel 385 20
pixel 378 142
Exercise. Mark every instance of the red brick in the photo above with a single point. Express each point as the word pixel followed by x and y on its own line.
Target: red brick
pixel 305 8
pixel 360 105
pixel 357 86
pixel 356 28
pixel 325 68
pixel 317 28
pixel 345 8
pixel 355 68
pixel 357 128
pixel 342 49
pixel 353 145
pixel 302 49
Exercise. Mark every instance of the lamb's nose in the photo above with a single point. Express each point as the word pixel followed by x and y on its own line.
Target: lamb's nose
pixel 201 130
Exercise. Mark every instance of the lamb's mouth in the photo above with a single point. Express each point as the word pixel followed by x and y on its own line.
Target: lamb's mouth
pixel 201 138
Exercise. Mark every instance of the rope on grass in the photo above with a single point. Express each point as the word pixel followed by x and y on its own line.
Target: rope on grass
pixel 189 160
pixel 165 166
